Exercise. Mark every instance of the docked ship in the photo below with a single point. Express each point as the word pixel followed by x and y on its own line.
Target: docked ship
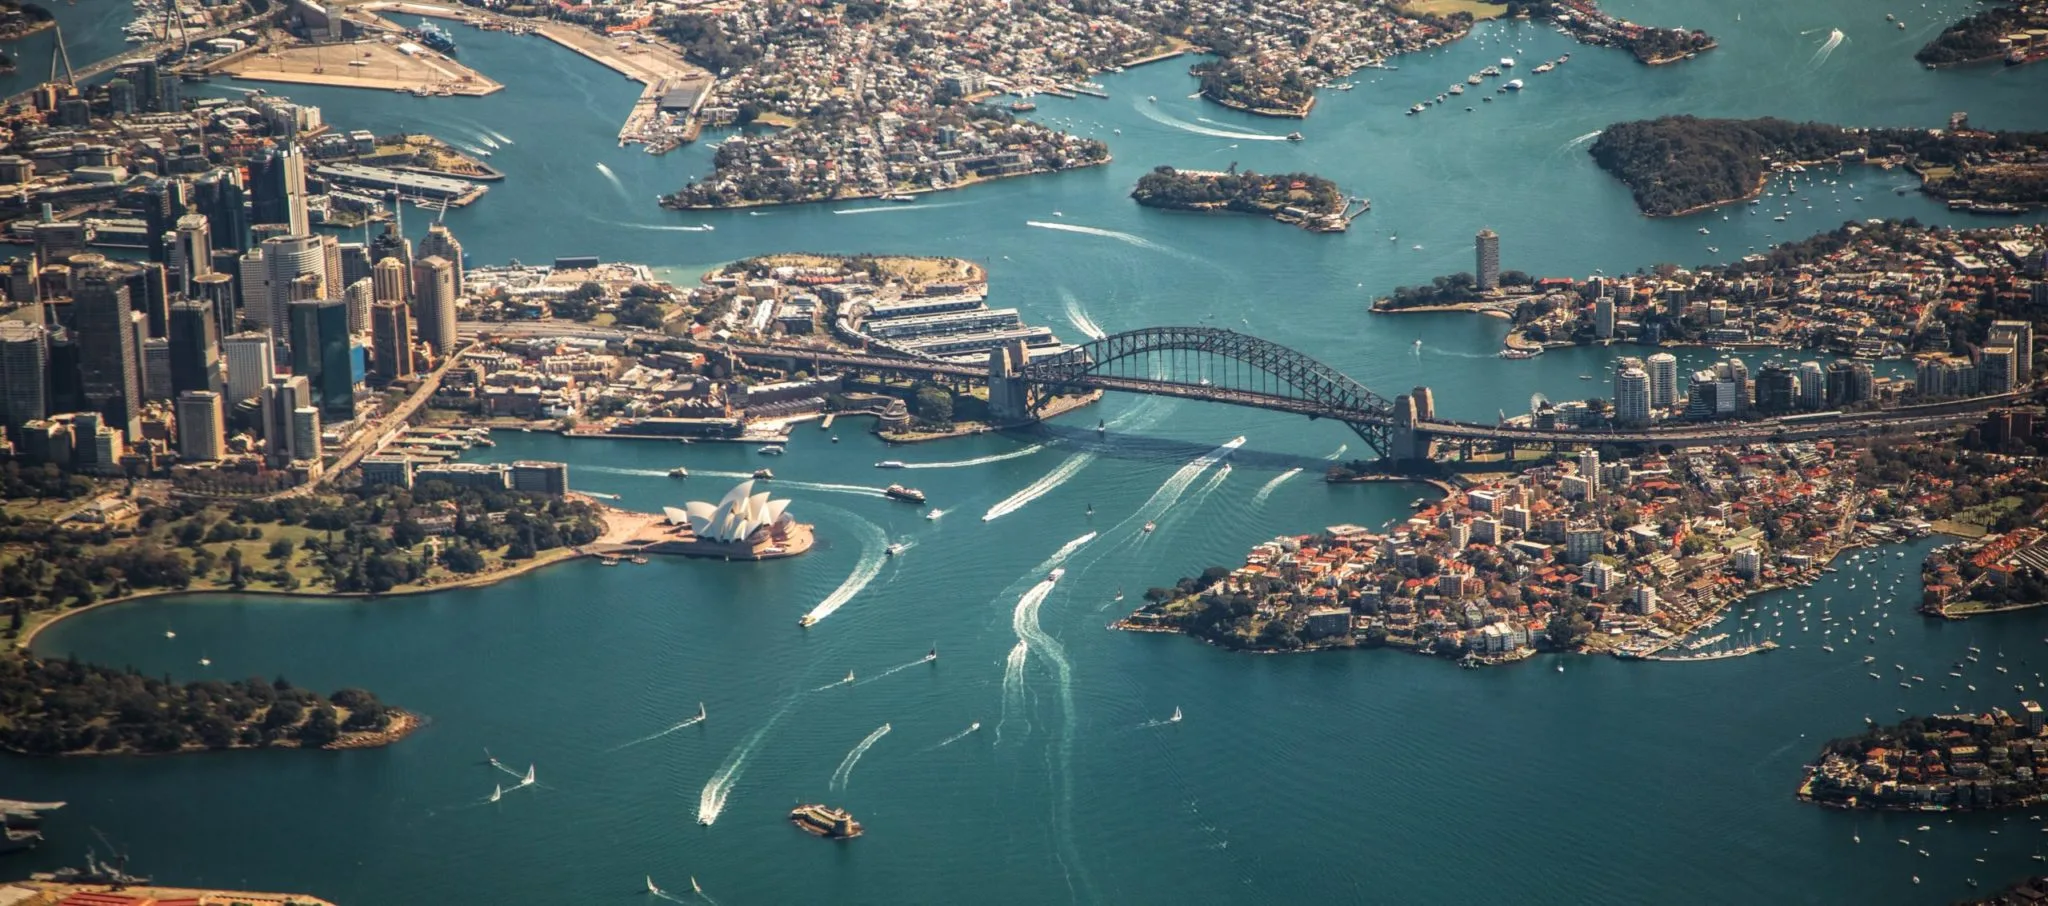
pixel 433 37
pixel 899 492
pixel 825 821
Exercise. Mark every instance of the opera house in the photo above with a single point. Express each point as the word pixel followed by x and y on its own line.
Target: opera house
pixel 742 525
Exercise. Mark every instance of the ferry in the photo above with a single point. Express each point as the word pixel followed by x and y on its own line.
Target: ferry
pixel 1521 353
pixel 434 38
pixel 899 492
pixel 764 474
pixel 679 472
pixel 771 450
pixel 890 464
pixel 825 821
pixel 608 561
pixel 1415 110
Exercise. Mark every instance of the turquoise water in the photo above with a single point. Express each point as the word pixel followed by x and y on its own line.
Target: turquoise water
pixel 1367 777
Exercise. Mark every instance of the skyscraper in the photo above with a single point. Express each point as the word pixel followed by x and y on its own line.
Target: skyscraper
pixel 217 290
pixel 277 178
pixel 320 354
pixel 391 341
pixel 441 242
pixel 191 254
pixel 1632 396
pixel 1663 371
pixel 391 243
pixel 388 281
pixel 219 195
pixel 1813 386
pixel 285 259
pixel 1487 247
pixel 149 292
pixel 355 262
pixel 433 288
pixel 1777 388
pixel 195 348
pixel 163 203
pixel 251 364
pixel 284 396
pixel 110 365
pixel 24 374
pixel 156 368
pixel 202 426
pixel 1603 318
pixel 359 295
pixel 2020 336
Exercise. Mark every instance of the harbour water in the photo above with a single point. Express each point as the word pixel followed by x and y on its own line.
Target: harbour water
pixel 1367 776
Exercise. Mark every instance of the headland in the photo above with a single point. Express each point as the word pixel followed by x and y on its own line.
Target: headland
pixel 1301 199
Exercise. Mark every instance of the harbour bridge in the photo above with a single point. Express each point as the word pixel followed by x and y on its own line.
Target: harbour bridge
pixel 1224 366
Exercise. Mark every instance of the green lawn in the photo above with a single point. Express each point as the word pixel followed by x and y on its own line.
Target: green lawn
pixel 1478 8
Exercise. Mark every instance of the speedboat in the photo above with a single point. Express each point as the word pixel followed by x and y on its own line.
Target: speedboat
pixel 771 450
pixel 889 464
pixel 893 549
pixel 764 474
pixel 933 654
pixel 1056 573
pixel 1149 526
pixel 679 472
pixel 807 621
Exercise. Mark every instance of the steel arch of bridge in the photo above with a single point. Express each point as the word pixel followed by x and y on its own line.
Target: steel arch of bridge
pixel 1267 375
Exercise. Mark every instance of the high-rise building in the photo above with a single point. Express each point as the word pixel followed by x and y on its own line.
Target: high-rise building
pixel 392 243
pixel 2020 336
pixel 202 426
pixel 285 259
pixel 441 242
pixel 1938 376
pixel 389 281
pixel 320 354
pixel 110 365
pixel 1603 318
pixel 305 433
pixel 1663 371
pixel 217 292
pixel 149 291
pixel 1777 389
pixel 1632 396
pixel 220 196
pixel 57 241
pixel 391 341
pixel 1487 247
pixel 433 289
pixel 1813 386
pixel 251 364
pixel 65 388
pixel 359 295
pixel 1735 372
pixel 24 374
pixel 1849 383
pixel 283 397
pixel 194 348
pixel 1998 369
pixel 355 262
pixel 277 180
pixel 24 287
pixel 156 368
pixel 163 202
pixel 191 254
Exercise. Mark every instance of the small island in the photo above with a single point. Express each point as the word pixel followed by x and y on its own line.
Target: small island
pixel 1589 24
pixel 1678 165
pixel 1939 763
pixel 1302 199
pixel 1989 35
pixel 63 707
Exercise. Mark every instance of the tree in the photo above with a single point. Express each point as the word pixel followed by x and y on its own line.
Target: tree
pixel 462 558
pixel 281 550
pixel 935 405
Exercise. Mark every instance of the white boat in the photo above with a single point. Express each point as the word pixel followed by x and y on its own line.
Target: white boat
pixel 934 515
pixel 1149 526
pixel 1507 62
pixel 893 549
pixel 528 779
pixel 650 885
pixel 707 227
pixel 1176 716
pixel 771 450
pixel 889 464
pixel 1119 594
pixel 849 676
pixel 497 792
pixel 1152 98
pixel 1512 85
pixel 701 715
pixel 1056 573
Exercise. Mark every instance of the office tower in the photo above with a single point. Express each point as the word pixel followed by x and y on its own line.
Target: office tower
pixel 330 258
pixel 252 288
pixel 1777 389
pixel 57 242
pixel 359 295
pixel 2020 336
pixel 251 364
pixel 156 368
pixel 1663 371
pixel 306 433
pixel 24 374
pixel 192 254
pixel 391 341
pixel 285 259
pixel 433 288
pixel 1813 386
pixel 283 397
pixel 194 347
pixel 388 281
pixel 220 196
pixel 1487 247
pixel 1603 318
pixel 391 243
pixel 110 376
pixel 355 262
pixel 1632 396
pixel 22 283
pixel 217 291
pixel 163 202
pixel 202 426
pixel 148 290
pixel 441 242
pixel 65 390
pixel 320 354
pixel 277 183
pixel 120 97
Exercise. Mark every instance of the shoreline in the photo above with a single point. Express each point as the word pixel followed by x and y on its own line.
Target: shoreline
pixel 403 724
pixel 871 196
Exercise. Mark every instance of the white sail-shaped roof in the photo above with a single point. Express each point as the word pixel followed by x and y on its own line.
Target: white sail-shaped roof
pixel 734 518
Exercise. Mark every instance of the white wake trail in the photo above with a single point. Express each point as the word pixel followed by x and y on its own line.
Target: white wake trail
pixel 1340 452
pixel 1086 325
pixel 1153 113
pixel 1044 485
pixel 1266 490
pixel 963 734
pixel 1013 686
pixel 1202 493
pixel 611 177
pixel 899 668
pixel 500 136
pixel 1581 140
pixel 711 801
pixel 874 552
pixel 1025 621
pixel 900 207
pixel 1127 238
pixel 1827 48
pixel 977 461
pixel 693 721
pixel 845 772
pixel 855 489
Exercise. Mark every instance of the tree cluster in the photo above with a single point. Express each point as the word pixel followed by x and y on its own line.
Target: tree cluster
pixel 1243 191
pixel 1976 36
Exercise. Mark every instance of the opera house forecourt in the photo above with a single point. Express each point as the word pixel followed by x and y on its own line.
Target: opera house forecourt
pixel 742 525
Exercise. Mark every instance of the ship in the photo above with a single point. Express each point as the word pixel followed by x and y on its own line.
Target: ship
pixel 94 872
pixel 433 37
pixel 899 492
pixel 825 821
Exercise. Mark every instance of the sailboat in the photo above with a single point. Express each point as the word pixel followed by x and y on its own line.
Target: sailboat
pixel 1176 716
pixel 650 885
pixel 933 654
pixel 1101 427
pixel 497 792
pixel 528 779
pixel 849 677
pixel 693 886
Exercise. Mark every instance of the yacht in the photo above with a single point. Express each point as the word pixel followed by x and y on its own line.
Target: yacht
pixel 1152 98
pixel 1512 85
pixel 771 450
pixel 1294 136
pixel 1507 62
pixel 1472 80
pixel 1149 526
pixel 1056 573
pixel 1457 89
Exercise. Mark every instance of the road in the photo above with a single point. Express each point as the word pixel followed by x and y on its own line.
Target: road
pixel 381 430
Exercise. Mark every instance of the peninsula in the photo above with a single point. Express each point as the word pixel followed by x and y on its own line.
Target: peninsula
pixel 1302 199
pixel 2014 32
pixel 1941 762
pixel 1677 165
pixel 1586 22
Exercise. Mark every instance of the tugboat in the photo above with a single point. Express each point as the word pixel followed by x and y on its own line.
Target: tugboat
pixel 899 492
pixel 825 821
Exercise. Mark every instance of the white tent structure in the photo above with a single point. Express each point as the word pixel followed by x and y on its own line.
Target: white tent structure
pixel 735 518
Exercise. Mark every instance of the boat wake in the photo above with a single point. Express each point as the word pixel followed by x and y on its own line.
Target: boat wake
pixel 1013 685
pixel 1175 485
pixel 845 772
pixel 977 461
pixel 1580 140
pixel 1153 113
pixel 1044 485
pixel 1827 48
pixel 1086 325
pixel 963 734
pixel 1127 238
pixel 828 488
pixel 699 891
pixel 1202 493
pixel 663 894
pixel 834 685
pixel 612 178
pixel 1454 353
pixel 1340 452
pixel 874 552
pixel 500 136
pixel 900 207
pixel 657 227
pixel 1266 490
pixel 693 721
pixel 1025 621
pixel 899 668
pixel 711 802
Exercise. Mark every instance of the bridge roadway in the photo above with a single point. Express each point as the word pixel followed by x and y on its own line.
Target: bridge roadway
pixel 144 51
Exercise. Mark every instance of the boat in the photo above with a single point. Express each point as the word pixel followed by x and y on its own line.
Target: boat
pixel 934 515
pixel 1152 98
pixel 1119 594
pixel 899 197
pixel 932 655
pixel 1512 85
pixel 1457 89
pixel 170 634
pixel 849 677
pixel 899 492
pixel 825 821
pixel 1101 427
pixel 1415 110
pixel 1149 526
pixel 1507 62
pixel 1473 80
pixel 707 227
pixel 434 38
pixel 807 621
pixel 1023 106
pixel 764 474
pixel 650 885
pixel 1490 71
pixel 771 450
pixel 497 792
pixel 890 464
pixel 1544 67
pixel 1176 716
pixel 893 549
pixel 679 472
pixel 637 560
pixel 1294 136
pixel 1056 573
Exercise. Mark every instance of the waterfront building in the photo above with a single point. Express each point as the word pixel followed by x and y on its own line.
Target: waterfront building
pixel 110 365
pixel 1748 562
pixel 202 426
pixel 1850 383
pixel 1777 389
pixel 156 368
pixel 1642 600
pixel 24 379
pixel 320 354
pixel 390 341
pixel 277 178
pixel 283 396
pixel 57 241
pixel 388 280
pixel 736 518
pixel 1327 622
pixel 1736 373
pixel 388 470
pixel 1663 373
pixel 482 476
pixel 540 477
pixel 1937 376
pixel 433 289
pixel 1486 247
pixel 2020 336
pixel 1603 318
pixel 441 242
pixel 1813 386
pixel 1632 397
pixel 251 361
pixel 194 348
